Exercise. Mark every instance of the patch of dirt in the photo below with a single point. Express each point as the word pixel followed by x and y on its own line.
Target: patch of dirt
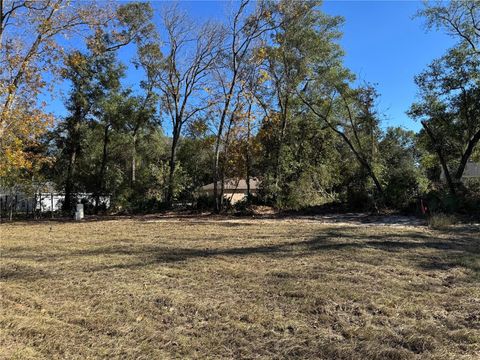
pixel 372 220
pixel 350 219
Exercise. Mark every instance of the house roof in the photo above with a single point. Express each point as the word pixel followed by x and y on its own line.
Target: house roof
pixel 234 184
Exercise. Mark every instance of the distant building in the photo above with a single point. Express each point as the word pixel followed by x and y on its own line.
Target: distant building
pixel 235 189
pixel 44 199
pixel 472 171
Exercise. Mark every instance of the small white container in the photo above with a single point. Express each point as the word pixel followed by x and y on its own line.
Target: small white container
pixel 79 215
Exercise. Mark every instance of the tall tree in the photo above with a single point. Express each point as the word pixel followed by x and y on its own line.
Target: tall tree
pixel 107 110
pixel 401 173
pixel 449 110
pixel 79 72
pixel 182 79
pixel 460 18
pixel 303 37
pixel 449 89
pixel 85 71
pixel 31 50
pixel 241 35
pixel 350 114
pixel 144 106
pixel 139 113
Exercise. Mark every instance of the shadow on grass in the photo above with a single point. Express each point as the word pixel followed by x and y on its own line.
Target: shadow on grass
pixel 462 249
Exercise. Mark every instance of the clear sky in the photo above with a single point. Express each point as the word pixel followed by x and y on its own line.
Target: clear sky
pixel 384 45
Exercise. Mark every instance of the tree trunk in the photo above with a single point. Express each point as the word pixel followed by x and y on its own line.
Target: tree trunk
pixel 466 155
pixel 134 160
pixel 216 177
pixel 226 107
pixel 247 155
pixel 362 162
pixel 439 152
pixel 225 154
pixel 216 165
pixel 172 165
pixel 359 157
pixel 73 148
pixel 283 128
pixel 222 189
pixel 1 25
pixel 101 175
pixel 67 203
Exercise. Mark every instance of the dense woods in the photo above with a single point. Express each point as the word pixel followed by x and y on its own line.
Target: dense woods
pixel 263 94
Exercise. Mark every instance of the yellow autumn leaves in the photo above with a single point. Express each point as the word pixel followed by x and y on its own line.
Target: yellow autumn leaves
pixel 20 131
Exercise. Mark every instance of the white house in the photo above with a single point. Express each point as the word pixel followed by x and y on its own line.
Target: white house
pixel 44 199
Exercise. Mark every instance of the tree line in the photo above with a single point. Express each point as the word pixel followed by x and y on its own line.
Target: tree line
pixel 263 94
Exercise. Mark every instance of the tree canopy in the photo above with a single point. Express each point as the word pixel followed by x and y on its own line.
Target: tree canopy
pixel 263 95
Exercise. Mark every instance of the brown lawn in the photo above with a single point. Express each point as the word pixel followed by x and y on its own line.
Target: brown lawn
pixel 271 289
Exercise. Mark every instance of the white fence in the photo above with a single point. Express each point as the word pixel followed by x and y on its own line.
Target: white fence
pixel 42 202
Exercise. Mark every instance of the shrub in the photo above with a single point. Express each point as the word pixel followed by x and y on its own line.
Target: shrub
pixel 243 207
pixel 441 221
pixel 205 202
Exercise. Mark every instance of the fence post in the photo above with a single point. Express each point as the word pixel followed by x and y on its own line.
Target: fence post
pixel 51 203
pixel 11 208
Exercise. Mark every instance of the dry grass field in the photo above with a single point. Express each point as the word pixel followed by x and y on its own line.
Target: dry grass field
pixel 245 289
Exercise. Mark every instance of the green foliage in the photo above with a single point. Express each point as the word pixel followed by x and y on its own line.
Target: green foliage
pixel 297 167
pixel 452 115
pixel 307 165
pixel 296 119
pixel 196 157
pixel 402 177
pixel 181 181
pixel 459 18
pixel 449 104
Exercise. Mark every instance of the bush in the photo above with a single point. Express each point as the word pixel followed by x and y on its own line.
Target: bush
pixel 465 202
pixel 441 221
pixel 205 202
pixel 243 207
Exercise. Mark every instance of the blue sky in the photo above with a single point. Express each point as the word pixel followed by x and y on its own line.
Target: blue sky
pixel 384 45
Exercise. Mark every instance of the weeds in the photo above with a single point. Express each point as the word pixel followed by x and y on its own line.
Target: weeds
pixel 441 221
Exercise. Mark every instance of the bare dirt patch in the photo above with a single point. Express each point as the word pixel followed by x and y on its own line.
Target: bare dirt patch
pixel 197 288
